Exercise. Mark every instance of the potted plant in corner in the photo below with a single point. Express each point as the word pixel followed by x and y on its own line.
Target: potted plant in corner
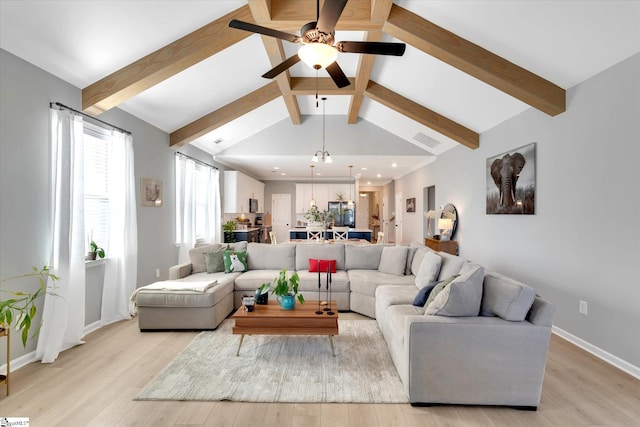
pixel 285 289
pixel 20 307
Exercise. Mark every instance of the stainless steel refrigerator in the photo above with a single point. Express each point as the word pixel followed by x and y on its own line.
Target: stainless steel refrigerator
pixel 343 216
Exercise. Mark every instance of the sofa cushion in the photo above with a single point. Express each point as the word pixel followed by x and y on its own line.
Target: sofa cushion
pixel 363 257
pixel 418 256
pixel 253 279
pixel 322 265
pixel 215 260
pixel 429 269
pixel 262 256
pixel 423 294
pixel 393 260
pixel 439 287
pixel 387 295
pixel 461 297
pixel 309 282
pixel 365 282
pixel 451 264
pixel 410 254
pixel 209 298
pixel 506 298
pixel 196 255
pixel 235 261
pixel 306 251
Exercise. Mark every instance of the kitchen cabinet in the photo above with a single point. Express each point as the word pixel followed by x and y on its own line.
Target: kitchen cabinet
pixel 238 189
pixel 322 193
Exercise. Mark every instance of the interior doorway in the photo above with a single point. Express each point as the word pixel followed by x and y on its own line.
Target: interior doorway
pixel 428 204
pixel 281 218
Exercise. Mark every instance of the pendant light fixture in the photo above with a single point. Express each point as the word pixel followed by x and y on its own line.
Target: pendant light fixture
pixel 312 203
pixel 350 201
pixel 324 154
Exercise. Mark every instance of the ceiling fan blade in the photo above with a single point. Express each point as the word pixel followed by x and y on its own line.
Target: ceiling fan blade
pixel 338 75
pixel 247 26
pixel 375 48
pixel 331 11
pixel 282 67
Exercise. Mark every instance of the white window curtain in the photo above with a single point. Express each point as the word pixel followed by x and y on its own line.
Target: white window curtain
pixel 191 223
pixel 63 313
pixel 122 264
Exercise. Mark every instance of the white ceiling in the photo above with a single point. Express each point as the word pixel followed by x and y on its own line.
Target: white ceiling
pixel 565 42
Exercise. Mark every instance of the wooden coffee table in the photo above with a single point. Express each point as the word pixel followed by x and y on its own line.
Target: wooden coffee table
pixel 271 319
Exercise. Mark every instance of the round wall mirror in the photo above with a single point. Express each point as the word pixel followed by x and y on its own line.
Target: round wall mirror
pixel 449 212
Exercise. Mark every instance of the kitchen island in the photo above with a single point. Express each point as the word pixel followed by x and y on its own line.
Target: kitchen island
pixel 300 233
pixel 258 234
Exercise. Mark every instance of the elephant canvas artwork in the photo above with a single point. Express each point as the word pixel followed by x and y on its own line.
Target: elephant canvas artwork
pixel 511 181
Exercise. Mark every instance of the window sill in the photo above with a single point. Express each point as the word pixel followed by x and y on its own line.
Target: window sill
pixel 94 263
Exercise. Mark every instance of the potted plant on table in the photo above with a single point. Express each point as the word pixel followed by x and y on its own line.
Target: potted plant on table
pixel 285 289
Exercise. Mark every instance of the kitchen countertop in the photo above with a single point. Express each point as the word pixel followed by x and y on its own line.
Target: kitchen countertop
pixel 251 229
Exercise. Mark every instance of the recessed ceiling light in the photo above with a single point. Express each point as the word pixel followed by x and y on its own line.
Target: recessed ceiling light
pixel 282 173
pixel 318 174
pixel 364 169
pixel 276 168
pixel 368 182
pixel 379 176
pixel 394 165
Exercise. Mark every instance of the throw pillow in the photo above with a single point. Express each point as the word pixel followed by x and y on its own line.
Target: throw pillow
pixel 215 260
pixel 322 265
pixel 437 289
pixel 393 260
pixel 429 269
pixel 421 299
pixel 235 262
pixel 451 264
pixel 196 256
pixel 461 297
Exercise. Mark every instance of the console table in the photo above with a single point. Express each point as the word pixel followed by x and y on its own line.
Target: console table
pixel 448 246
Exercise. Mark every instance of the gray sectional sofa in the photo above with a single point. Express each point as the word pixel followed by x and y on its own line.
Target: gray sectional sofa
pixel 480 337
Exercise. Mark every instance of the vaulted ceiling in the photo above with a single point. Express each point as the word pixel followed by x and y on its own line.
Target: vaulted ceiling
pixel 180 67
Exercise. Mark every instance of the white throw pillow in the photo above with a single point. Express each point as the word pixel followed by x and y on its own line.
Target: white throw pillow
pixel 393 260
pixel 429 269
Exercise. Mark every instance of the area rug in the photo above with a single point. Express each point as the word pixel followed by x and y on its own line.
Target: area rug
pixel 282 368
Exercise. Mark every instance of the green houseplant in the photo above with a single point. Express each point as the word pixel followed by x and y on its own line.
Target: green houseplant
pixel 95 251
pixel 229 235
pixel 20 307
pixel 285 288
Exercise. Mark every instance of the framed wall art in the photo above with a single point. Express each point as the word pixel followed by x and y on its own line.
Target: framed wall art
pixel 151 192
pixel 411 204
pixel 511 181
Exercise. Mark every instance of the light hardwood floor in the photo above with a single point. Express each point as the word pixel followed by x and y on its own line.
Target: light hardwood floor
pixel 94 385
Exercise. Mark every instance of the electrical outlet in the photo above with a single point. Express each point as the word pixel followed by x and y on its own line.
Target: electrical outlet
pixel 583 307
pixel 157 273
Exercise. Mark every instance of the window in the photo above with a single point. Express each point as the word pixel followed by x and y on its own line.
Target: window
pixel 97 149
pixel 198 216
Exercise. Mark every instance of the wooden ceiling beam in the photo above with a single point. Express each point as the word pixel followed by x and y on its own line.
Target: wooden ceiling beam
pixel 325 86
pixel 475 61
pixel 379 13
pixel 423 115
pixel 165 62
pixel 290 16
pixel 224 115
pixel 275 52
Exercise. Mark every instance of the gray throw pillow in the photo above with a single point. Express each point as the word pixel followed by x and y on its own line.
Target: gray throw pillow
pixel 451 265
pixel 393 260
pixel 461 297
pixel 439 287
pixel 429 269
pixel 215 260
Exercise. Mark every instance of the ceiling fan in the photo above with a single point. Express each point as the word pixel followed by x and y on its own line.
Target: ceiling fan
pixel 317 38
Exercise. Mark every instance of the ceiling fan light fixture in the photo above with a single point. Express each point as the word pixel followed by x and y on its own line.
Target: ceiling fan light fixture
pixel 318 55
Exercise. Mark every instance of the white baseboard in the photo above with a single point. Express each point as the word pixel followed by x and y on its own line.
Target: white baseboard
pixel 598 352
pixel 25 359
pixel 92 327
pixel 19 362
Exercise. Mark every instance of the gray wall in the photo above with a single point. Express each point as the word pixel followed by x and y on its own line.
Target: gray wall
pixel 583 243
pixel 24 181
